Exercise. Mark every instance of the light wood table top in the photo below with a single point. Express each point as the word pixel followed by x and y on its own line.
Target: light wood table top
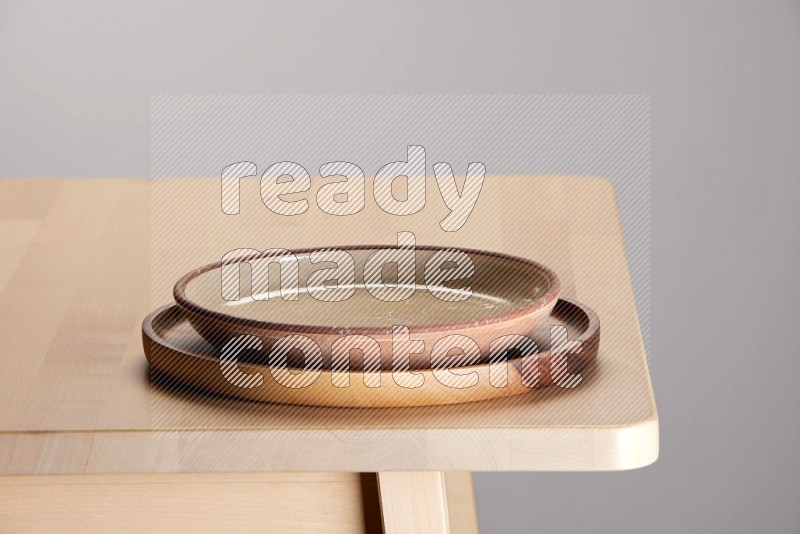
pixel 84 260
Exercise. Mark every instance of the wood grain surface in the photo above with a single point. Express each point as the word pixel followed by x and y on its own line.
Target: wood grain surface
pixel 168 503
pixel 413 502
pixel 85 260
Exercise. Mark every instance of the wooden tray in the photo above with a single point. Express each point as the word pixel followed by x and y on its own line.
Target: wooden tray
pixel 176 350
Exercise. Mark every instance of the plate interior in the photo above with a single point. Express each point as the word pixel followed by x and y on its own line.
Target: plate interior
pixel 498 285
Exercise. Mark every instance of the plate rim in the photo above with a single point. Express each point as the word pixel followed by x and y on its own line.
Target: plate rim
pixel 551 296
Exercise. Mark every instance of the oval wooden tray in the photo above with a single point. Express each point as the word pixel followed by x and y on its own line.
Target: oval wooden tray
pixel 507 295
pixel 176 350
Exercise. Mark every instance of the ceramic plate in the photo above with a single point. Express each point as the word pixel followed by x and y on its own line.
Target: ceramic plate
pixel 303 294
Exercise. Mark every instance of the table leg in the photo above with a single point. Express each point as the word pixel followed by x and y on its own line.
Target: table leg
pixel 461 502
pixel 422 502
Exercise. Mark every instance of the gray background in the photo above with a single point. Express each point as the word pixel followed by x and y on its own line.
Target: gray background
pixel 75 85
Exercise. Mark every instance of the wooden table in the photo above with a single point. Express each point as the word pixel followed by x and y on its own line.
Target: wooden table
pixel 89 442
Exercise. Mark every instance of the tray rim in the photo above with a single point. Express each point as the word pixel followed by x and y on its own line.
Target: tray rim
pixel 396 397
pixel 551 296
pixel 587 338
